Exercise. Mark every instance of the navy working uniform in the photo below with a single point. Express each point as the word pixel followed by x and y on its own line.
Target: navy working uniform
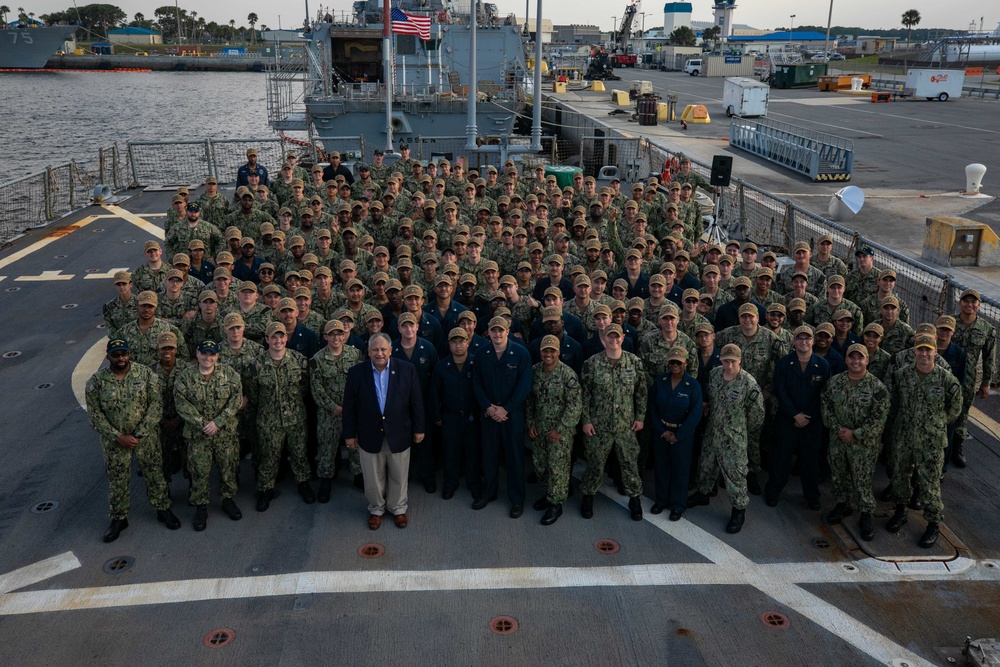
pixel 423 357
pixel 453 403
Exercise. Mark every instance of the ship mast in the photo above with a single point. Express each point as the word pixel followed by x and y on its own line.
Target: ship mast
pixel 386 71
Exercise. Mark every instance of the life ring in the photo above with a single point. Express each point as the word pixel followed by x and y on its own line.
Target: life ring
pixel 670 167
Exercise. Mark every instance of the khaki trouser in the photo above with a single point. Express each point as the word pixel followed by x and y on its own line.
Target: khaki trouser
pixel 385 476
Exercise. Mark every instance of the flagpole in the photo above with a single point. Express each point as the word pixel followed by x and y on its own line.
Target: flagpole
pixel 427 52
pixel 386 74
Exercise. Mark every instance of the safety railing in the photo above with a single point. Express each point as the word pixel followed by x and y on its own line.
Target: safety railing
pixel 820 156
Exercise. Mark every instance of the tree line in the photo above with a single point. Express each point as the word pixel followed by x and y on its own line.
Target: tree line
pixel 174 24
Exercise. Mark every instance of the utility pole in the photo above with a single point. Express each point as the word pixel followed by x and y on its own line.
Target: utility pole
pixel 826 45
pixel 177 14
pixel 791 29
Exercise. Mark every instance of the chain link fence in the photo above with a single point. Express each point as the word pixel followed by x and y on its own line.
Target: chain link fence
pixel 38 199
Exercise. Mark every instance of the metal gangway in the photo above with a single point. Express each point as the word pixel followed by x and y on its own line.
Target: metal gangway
pixel 820 156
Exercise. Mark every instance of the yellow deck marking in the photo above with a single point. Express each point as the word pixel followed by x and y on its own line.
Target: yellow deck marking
pixel 137 220
pixel 87 366
pixel 45 276
pixel 108 275
pixel 53 236
pixel 985 422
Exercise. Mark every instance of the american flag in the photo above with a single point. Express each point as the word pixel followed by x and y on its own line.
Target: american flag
pixel 409 24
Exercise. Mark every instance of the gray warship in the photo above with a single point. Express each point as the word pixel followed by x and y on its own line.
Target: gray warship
pixel 23 47
pixel 343 78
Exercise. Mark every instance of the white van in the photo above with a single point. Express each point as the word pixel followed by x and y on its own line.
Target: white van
pixel 693 66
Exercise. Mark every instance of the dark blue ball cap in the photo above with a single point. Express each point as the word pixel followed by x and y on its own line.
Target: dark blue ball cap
pixel 117 345
pixel 194 206
pixel 404 147
pixel 208 346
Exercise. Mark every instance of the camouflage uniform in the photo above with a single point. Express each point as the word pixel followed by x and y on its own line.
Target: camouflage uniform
pixel 918 442
pixel 117 314
pixel 555 403
pixel 145 278
pixel 815 281
pixel 653 352
pixel 255 321
pixel 143 347
pixel 215 209
pixel 857 286
pixel 896 339
pixel 131 406
pixel 327 377
pixel 878 363
pixel 614 396
pixel 249 225
pixel 181 235
pixel 871 308
pixel 863 408
pixel 822 311
pixel 242 362
pixel 173 311
pixel 760 354
pixel 979 340
pixel 736 409
pixel 688 328
pixel 197 329
pixel 278 390
pixel 831 267
pixel 201 400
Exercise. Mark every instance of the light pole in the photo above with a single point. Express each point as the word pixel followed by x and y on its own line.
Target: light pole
pixel 614 31
pixel 791 28
pixel 826 45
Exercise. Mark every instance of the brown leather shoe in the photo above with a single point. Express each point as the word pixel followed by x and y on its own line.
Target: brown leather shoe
pixel 401 521
pixel 374 521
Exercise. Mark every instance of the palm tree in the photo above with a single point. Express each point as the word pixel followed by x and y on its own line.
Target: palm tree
pixel 911 17
pixel 252 20
pixel 232 30
pixel 4 10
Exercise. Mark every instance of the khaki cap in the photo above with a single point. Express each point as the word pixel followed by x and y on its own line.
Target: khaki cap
pixel 180 259
pixel 333 325
pixel 946 322
pixel 704 327
pixel 249 286
pixel 924 341
pixel 122 277
pixel 841 314
pixel 499 323
pixel 175 273
pixel 272 289
pixel 765 272
pixel 208 295
pixel 657 279
pixel 150 245
pixel 636 303
pixel 553 291
pixel 582 279
pixel 804 329
pixel 413 290
pixel 551 314
pixel 835 280
pixel 889 301
pixel 730 351
pixel 458 332
pixel 801 245
pixel 301 292
pixel 147 298
pixel 232 320
pixel 274 328
pixel 677 354
pixel 887 273
pixel 549 343
pixel 827 329
pixel 748 309
pixel 970 292
pixel 602 309
pixel 668 310
pixel 195 244
pixel 874 328
pixel 166 339
pixel 859 348
pixel 776 308
pixel 222 272
pixel 406 317
pixel 796 305
pixel 612 329
pixel 354 282
pixel 287 304
pixel 741 281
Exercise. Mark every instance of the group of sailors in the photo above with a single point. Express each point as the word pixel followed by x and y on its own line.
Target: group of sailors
pixel 624 332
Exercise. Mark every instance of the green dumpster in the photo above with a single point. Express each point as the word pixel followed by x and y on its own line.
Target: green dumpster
pixel 791 76
pixel 564 174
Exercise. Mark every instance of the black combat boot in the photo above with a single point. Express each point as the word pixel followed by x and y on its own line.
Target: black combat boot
pixel 838 513
pixel 865 526
pixel 753 486
pixel 201 517
pixel 698 498
pixel 551 515
pixel 168 519
pixel 635 508
pixel 958 452
pixel 736 521
pixel 930 536
pixel 115 529
pixel 325 487
pixel 898 519
pixel 587 506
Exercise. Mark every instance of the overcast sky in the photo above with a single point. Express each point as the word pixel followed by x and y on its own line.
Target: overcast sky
pixel 766 14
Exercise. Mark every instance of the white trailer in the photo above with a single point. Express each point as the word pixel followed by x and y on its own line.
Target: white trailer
pixel 940 84
pixel 745 97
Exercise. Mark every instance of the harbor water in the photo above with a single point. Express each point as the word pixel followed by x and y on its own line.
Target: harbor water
pixel 51 117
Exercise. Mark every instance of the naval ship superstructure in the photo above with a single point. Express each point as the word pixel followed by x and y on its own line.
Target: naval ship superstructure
pixel 344 87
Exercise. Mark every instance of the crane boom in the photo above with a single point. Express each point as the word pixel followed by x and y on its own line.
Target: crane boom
pixel 621 38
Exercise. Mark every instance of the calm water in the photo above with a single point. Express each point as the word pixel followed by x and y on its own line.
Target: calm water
pixel 49 118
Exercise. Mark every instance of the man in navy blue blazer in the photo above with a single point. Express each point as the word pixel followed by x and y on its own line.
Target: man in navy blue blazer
pixel 383 414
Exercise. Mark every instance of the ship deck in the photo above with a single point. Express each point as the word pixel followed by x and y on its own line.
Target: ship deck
pixel 293 588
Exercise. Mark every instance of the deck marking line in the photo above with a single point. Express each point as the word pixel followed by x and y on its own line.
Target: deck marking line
pixel 985 422
pixel 36 572
pixel 45 276
pixel 136 220
pixel 108 275
pixel 823 614
pixel 86 367
pixel 52 237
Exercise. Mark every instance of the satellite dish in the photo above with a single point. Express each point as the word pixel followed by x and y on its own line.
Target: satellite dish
pixel 846 203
